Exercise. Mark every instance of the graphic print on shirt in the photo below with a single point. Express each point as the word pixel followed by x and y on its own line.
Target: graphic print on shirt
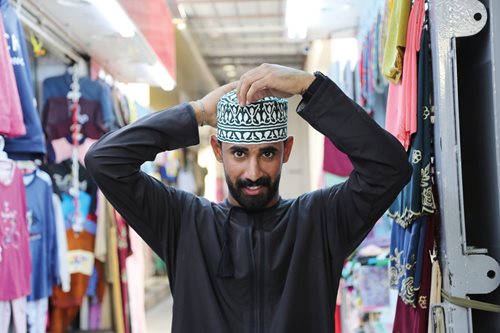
pixel 13 40
pixel 9 235
pixel 34 226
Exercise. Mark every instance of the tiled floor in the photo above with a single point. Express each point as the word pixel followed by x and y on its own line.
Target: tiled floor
pixel 159 317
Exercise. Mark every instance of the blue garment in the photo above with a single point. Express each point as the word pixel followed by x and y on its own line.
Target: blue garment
pixel 406 255
pixel 42 230
pixel 32 144
pixel 68 206
pixel 59 86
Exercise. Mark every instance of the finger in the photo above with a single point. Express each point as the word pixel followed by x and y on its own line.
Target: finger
pixel 257 89
pixel 246 81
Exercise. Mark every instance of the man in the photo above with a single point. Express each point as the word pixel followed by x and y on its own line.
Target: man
pixel 256 262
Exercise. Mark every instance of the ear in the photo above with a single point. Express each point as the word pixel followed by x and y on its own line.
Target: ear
pixel 287 149
pixel 216 147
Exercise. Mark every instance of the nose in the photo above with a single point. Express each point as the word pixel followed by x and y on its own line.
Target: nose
pixel 253 171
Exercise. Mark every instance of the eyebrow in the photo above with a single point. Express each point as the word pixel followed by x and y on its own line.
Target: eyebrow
pixel 238 148
pixel 245 149
pixel 269 149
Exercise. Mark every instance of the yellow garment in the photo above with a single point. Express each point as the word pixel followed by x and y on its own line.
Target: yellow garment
pixel 392 67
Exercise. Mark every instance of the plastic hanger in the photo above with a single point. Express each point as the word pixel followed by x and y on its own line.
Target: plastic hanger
pixel 3 154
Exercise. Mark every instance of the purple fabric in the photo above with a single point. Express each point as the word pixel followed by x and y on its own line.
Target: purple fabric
pixel 335 161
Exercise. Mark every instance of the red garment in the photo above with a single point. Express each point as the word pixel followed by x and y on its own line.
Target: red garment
pixel 57 118
pixel 335 161
pixel 11 113
pixel 124 251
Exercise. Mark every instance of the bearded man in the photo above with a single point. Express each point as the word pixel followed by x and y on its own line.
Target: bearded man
pixel 256 262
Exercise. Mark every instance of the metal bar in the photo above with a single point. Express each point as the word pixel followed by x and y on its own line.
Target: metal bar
pixel 238 30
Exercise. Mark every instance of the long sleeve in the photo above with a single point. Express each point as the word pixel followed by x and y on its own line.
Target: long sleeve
pixel 151 208
pixel 62 244
pixel 52 240
pixel 380 165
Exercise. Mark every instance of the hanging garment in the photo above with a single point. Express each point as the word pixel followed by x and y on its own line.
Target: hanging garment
pixel 15 257
pixel 81 265
pixel 413 317
pixel 436 315
pixel 41 227
pixel 13 314
pixel 63 149
pixel 417 198
pixel 136 277
pixel 37 315
pixel 59 86
pixel 11 113
pixel 401 116
pixel 124 251
pixel 63 180
pixel 406 255
pixel 57 120
pixel 32 144
pixel 392 67
pixel 62 244
pixel 335 161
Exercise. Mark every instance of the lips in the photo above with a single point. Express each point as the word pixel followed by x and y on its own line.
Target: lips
pixel 253 190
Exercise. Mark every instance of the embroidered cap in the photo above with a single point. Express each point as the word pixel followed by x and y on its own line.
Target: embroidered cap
pixel 263 121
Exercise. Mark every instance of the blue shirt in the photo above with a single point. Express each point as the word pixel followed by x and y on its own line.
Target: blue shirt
pixel 58 86
pixel 42 231
pixel 33 143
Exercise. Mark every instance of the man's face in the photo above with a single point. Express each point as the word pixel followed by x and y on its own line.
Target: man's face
pixel 253 171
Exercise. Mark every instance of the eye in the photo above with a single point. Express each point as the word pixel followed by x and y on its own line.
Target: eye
pixel 238 153
pixel 268 154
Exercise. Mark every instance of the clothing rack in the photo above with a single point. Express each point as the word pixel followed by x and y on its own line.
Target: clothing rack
pixel 74 96
pixel 466 135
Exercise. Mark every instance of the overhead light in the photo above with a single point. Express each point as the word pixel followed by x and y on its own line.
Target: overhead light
pixel 231 74
pixel 116 16
pixel 179 23
pixel 299 16
pixel 229 68
pixel 161 76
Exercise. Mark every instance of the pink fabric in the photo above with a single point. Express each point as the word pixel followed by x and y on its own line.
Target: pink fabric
pixel 63 149
pixel 11 113
pixel 401 116
pixel 335 161
pixel 136 276
pixel 15 255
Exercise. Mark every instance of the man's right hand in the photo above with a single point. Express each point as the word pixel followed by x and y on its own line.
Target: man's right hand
pixel 209 104
pixel 272 80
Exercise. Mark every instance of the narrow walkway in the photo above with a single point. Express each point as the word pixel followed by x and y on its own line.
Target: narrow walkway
pixel 159 317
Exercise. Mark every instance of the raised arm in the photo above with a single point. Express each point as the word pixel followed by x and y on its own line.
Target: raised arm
pixel 151 208
pixel 380 163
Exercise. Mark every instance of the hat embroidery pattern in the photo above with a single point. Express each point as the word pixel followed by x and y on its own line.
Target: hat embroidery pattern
pixel 263 121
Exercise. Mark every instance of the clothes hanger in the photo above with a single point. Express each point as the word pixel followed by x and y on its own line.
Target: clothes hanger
pixel 3 154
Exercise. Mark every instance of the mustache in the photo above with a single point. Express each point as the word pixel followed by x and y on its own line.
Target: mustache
pixel 263 181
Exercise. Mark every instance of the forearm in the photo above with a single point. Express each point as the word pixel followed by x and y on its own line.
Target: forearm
pixel 125 150
pixel 114 163
pixel 380 165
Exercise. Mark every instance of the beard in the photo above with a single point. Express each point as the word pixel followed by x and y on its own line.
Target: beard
pixel 253 202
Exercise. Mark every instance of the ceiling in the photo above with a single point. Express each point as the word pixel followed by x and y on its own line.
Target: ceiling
pixel 226 37
pixel 236 35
